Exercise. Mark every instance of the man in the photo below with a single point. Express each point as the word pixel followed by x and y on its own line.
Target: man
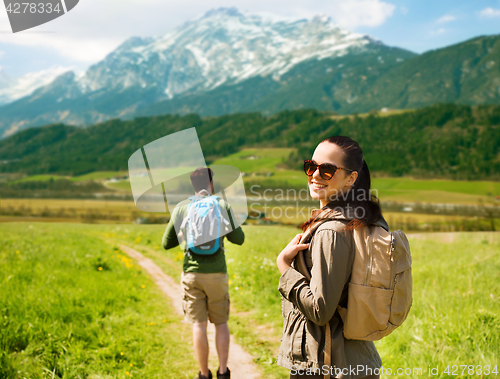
pixel 204 280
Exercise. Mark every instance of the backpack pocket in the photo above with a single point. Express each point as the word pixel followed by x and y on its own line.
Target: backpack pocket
pixel 368 312
pixel 402 283
pixel 402 299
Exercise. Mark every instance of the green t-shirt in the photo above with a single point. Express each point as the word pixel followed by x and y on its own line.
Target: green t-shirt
pixel 195 262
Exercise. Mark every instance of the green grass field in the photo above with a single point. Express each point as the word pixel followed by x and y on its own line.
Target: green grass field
pixel 456 304
pixel 64 316
pixel 71 306
pixel 256 160
pixel 435 191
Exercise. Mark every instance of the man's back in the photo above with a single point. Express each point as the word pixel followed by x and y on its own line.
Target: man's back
pixel 197 262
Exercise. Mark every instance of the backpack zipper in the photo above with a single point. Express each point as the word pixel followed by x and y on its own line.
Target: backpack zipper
pixel 370 258
pixel 391 251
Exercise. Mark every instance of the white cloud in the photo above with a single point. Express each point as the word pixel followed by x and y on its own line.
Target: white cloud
pixel 79 49
pixel 446 18
pixel 490 12
pixel 93 28
pixel 355 13
pixel 66 36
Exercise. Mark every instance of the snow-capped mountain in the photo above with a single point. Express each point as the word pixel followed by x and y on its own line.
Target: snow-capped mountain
pixel 221 49
pixel 223 46
pixel 12 89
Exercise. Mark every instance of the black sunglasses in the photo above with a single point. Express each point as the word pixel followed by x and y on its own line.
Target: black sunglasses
pixel 326 170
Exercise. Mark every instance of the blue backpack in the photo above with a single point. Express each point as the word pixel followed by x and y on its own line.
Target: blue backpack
pixel 202 225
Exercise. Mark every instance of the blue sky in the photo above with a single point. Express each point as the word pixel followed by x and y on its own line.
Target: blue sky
pixel 96 27
pixel 423 25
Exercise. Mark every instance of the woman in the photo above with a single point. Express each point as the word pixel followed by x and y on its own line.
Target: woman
pixel 339 178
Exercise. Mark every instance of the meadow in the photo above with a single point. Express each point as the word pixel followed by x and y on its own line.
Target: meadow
pixel 71 303
pixel 73 306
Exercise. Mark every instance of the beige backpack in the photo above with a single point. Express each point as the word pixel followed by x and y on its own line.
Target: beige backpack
pixel 380 290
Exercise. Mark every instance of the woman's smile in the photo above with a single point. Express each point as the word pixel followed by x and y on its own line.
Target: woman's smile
pixel 315 186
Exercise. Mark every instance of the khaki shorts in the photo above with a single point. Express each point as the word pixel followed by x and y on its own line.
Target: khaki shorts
pixel 205 296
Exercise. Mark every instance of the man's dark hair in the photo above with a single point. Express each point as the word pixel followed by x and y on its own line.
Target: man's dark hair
pixel 201 178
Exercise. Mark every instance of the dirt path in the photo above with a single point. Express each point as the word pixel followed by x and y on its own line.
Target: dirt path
pixel 240 362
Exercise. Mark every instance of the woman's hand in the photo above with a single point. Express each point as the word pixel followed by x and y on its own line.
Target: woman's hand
pixel 285 258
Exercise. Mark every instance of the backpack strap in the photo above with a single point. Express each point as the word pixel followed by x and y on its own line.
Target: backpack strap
pixel 322 216
pixel 328 348
pixel 186 220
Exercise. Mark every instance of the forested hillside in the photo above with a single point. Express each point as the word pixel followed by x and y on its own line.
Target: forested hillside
pixel 446 141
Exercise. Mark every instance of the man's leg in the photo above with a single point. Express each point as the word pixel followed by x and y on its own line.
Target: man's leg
pixel 217 292
pixel 200 342
pixel 222 344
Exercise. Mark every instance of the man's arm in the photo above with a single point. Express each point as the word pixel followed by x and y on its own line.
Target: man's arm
pixel 170 239
pixel 236 236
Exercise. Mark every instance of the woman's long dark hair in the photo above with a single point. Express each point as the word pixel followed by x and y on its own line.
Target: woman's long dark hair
pixel 359 197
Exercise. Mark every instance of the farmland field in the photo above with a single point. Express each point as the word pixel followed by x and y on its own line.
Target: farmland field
pixel 72 210
pixel 116 211
pixel 98 175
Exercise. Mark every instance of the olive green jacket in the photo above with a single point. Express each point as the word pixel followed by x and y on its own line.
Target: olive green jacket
pixel 307 307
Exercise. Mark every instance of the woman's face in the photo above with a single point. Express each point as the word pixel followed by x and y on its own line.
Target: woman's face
pixel 328 190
